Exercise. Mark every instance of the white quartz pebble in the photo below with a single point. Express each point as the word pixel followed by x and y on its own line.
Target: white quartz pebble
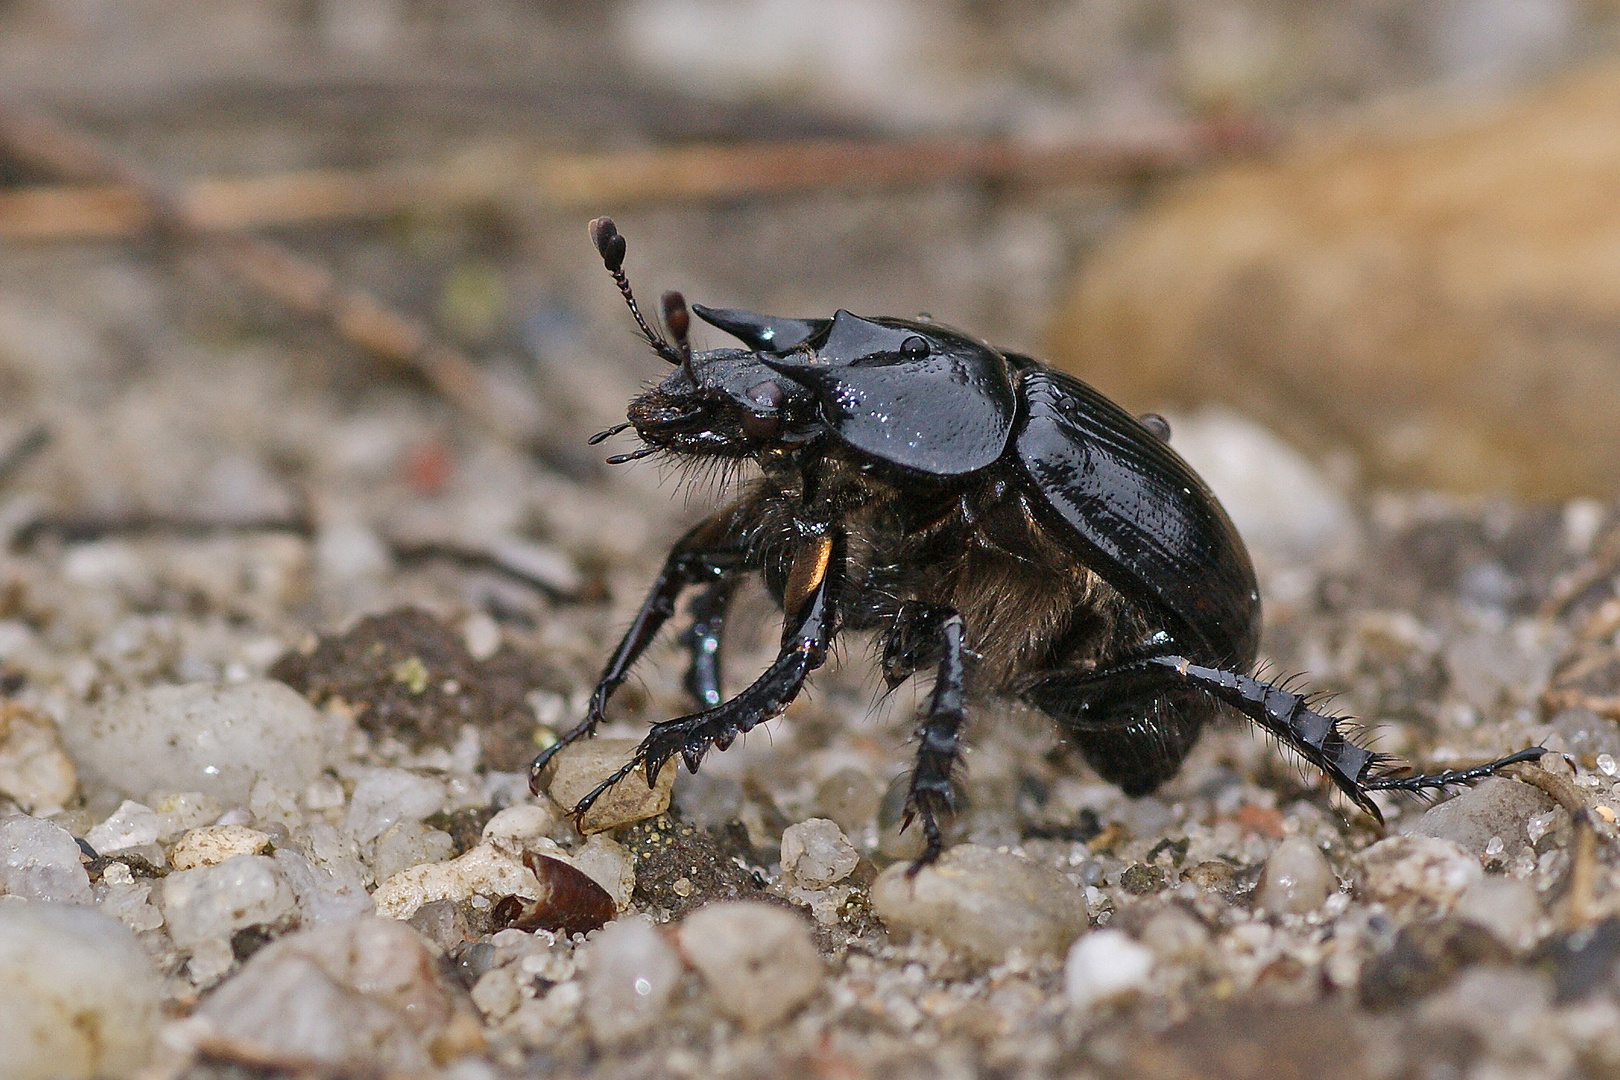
pixel 214 738
pixel 630 971
pixel 1103 965
pixel 984 904
pixel 817 853
pixel 78 995
pixel 757 959
pixel 1296 880
pixel 39 860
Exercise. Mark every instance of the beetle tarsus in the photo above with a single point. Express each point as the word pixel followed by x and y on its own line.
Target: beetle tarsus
pixel 1439 781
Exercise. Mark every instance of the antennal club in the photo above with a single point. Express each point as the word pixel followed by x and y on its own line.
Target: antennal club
pixel 679 321
pixel 611 246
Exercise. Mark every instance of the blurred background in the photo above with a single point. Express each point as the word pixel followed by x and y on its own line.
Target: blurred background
pixel 1385 231
pixel 299 322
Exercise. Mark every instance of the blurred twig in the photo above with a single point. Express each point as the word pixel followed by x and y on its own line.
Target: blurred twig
pixel 292 281
pixel 594 182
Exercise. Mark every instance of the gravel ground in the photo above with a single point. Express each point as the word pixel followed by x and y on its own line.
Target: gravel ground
pixel 278 632
pixel 253 790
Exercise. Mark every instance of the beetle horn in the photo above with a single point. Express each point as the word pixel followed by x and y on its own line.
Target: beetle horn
pixel 611 246
pixel 762 333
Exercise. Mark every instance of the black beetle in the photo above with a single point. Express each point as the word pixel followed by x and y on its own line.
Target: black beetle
pixel 987 516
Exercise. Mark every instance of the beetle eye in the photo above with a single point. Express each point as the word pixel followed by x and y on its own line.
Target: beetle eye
pixel 760 427
pixel 767 395
pixel 914 347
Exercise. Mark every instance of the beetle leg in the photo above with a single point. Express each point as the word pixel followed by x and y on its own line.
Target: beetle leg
pixel 913 640
pixel 710 550
pixel 1083 703
pixel 810 599
pixel 702 639
pixel 1389 781
pixel 1316 736
pixel 932 795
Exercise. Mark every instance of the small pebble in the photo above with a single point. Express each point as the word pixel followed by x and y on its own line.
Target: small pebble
pixel 208 905
pixel 519 824
pixel 35 773
pixel 213 844
pixel 407 844
pixel 1404 869
pixel 327 892
pixel 482 635
pixel 79 997
pixel 630 971
pixel 39 860
pixel 181 812
pixel 1296 880
pixel 131 825
pixel 442 922
pixel 129 901
pixel 983 903
pixel 574 772
pixel 385 796
pixel 1495 808
pixel 364 995
pixel 817 854
pixel 611 865
pixel 1505 906
pixel 347 550
pixel 1174 933
pixel 485 870
pixel 849 797
pixel 213 738
pixel 757 959
pixel 1105 964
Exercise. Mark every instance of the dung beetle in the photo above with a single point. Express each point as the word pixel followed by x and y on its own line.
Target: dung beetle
pixel 986 516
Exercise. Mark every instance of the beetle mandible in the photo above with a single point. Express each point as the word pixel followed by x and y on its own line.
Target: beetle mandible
pixel 987 516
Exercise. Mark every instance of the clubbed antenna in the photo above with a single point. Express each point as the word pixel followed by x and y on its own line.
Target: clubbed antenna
pixel 610 245
pixel 679 321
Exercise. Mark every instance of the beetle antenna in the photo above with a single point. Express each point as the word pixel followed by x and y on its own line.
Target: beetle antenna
pixel 610 245
pixel 679 321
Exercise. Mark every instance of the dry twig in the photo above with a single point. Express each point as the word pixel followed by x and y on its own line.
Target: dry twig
pixel 289 279
pixel 572 181
pixel 1579 908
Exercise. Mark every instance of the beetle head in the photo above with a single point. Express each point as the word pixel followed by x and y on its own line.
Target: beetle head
pixel 724 403
pixel 913 394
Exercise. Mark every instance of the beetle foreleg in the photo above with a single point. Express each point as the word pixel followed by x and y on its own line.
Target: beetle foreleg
pixel 932 795
pixel 702 639
pixel 813 585
pixel 710 550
